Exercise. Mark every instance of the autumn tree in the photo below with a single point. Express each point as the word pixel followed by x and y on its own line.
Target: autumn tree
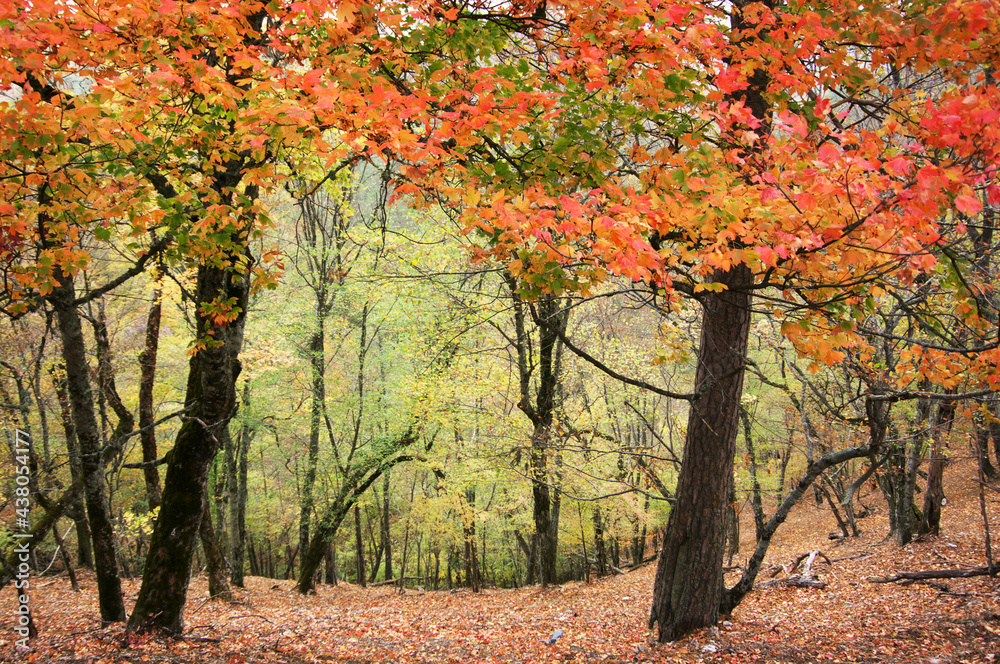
pixel 697 150
pixel 740 182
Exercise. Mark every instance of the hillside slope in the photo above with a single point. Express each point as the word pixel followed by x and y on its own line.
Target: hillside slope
pixel 851 620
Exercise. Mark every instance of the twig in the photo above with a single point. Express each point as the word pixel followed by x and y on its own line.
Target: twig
pixel 933 574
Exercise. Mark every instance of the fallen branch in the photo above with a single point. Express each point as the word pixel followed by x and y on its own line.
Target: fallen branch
pixel 988 486
pixel 937 574
pixel 803 580
pixel 812 557
pixel 794 581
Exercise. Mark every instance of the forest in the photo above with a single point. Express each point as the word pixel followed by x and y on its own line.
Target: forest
pixel 420 298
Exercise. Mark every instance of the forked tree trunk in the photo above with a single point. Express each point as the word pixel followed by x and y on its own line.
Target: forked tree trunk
pixel 689 579
pixel 353 486
pixel 211 398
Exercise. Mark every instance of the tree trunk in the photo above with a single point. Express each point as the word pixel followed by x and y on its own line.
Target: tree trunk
pixel 689 579
pixel 600 549
pixel 543 546
pixel 330 567
pixel 211 399
pixel 317 360
pixel 147 375
pixel 472 574
pixel 237 465
pixel 551 319
pixel 106 377
pixel 88 436
pixel 904 499
pixel 987 426
pixel 733 596
pixel 359 544
pixel 77 510
pixel 64 554
pixel 934 496
pixel 756 502
pixel 218 586
pixel 386 536
pixel 530 556
pixel 353 486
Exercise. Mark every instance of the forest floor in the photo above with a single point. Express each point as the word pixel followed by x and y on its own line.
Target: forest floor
pixel 851 620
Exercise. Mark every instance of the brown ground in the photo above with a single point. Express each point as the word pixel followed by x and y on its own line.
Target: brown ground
pixel 851 620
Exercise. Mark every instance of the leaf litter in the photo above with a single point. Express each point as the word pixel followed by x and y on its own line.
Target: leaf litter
pixel 851 620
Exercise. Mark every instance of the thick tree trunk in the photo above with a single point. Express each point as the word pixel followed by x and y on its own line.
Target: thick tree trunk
pixel 88 437
pixel 147 375
pixel 689 579
pixel 211 398
pixel 551 318
pixel 544 546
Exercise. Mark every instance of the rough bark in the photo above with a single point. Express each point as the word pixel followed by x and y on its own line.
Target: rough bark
pixel 688 588
pixel 211 399
pixel 237 462
pixel 551 318
pixel 78 387
pixel 215 561
pixel 147 376
pixel 934 495
pixel 317 361
pixel 905 523
pixel 77 509
pixel 689 584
